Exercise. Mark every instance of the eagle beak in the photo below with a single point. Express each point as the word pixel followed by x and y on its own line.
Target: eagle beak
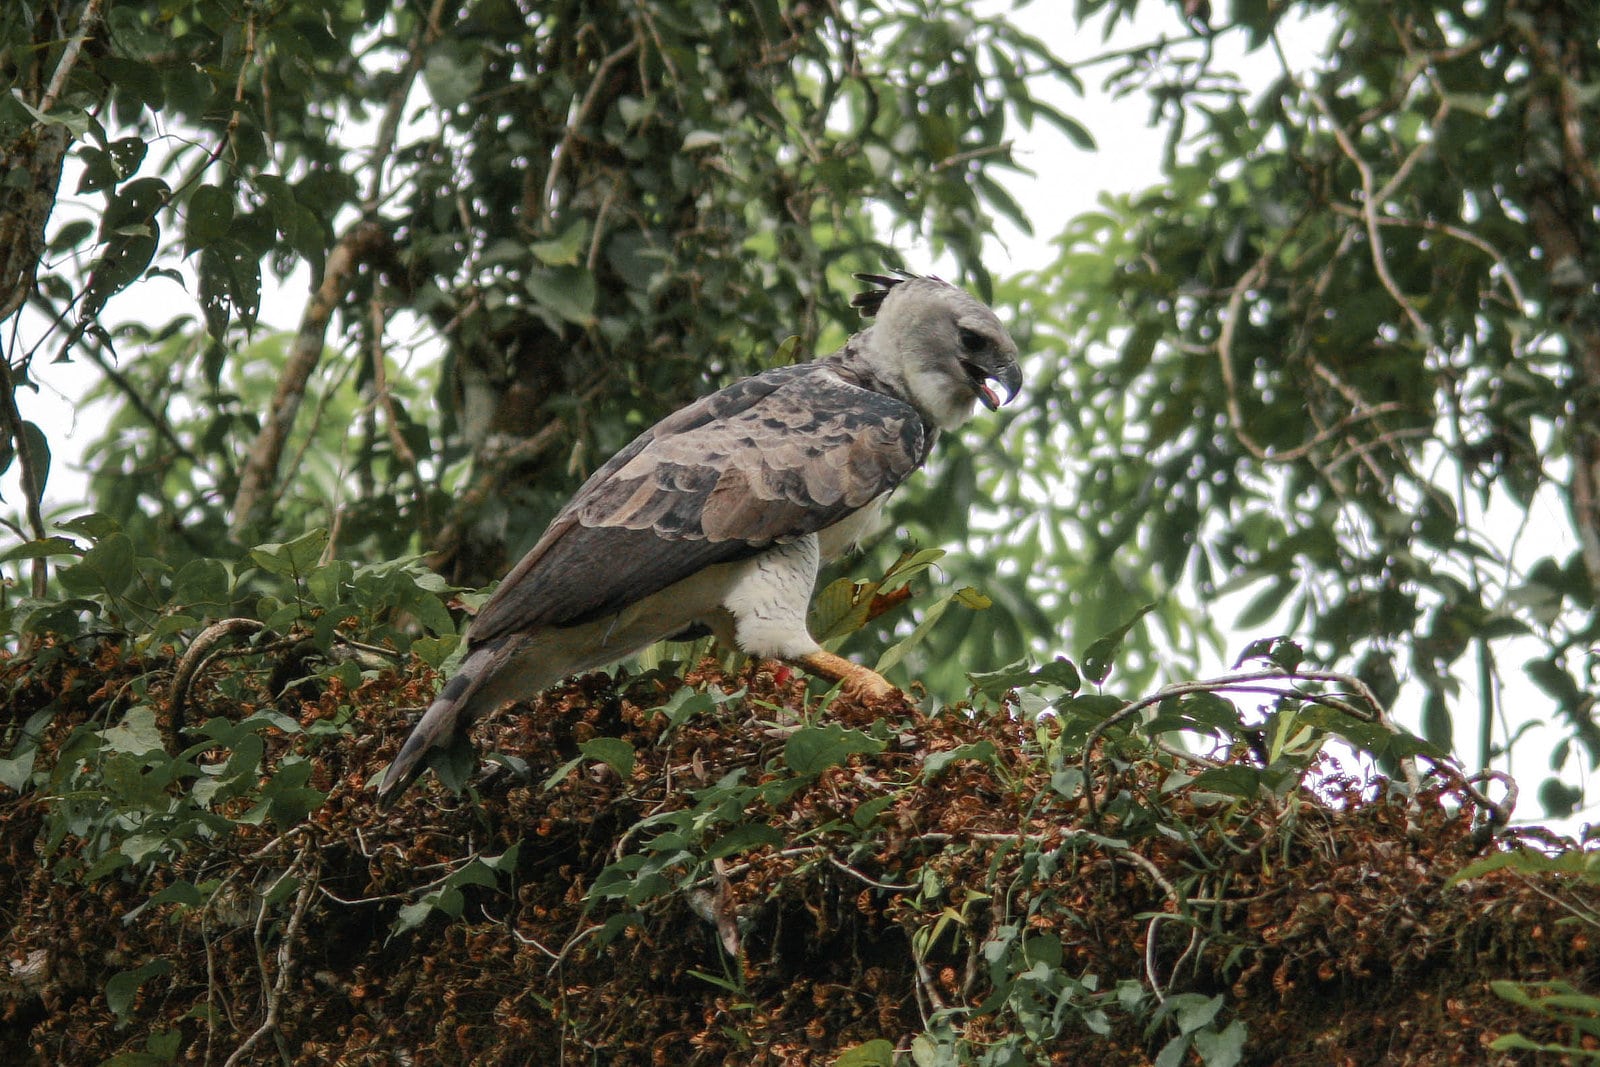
pixel 1009 376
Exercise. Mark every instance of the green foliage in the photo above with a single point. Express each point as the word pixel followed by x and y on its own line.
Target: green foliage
pixel 565 225
pixel 447 894
pixel 1576 1011
pixel 136 782
pixel 1003 923
pixel 1339 363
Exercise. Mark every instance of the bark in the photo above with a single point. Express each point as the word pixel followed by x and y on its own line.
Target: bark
pixel 38 153
pixel 1562 192
pixel 258 482
pixel 25 209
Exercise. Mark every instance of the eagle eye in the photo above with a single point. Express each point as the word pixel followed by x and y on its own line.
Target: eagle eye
pixel 972 341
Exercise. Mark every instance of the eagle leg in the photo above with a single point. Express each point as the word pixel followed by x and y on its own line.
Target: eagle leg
pixel 858 681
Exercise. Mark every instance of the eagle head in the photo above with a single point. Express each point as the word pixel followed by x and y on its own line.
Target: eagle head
pixel 938 345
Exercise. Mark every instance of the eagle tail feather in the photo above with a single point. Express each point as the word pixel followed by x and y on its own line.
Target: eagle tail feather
pixel 449 716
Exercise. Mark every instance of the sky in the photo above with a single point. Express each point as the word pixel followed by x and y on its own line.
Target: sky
pixel 1065 182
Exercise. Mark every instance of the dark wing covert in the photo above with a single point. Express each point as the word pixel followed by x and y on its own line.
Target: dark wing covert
pixel 768 459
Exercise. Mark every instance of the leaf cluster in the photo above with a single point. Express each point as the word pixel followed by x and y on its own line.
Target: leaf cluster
pixel 1329 370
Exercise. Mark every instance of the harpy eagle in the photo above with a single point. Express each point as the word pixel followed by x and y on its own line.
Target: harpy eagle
pixel 718 516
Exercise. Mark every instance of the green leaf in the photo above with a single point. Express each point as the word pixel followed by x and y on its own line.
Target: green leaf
pixel 971 598
pixel 1194 1010
pixel 695 140
pixel 39 451
pixel 684 705
pixel 16 771
pixel 434 651
pixel 910 564
pixel 567 292
pixel 613 752
pixel 982 751
pixel 746 838
pixel 875 1053
pixel 328 583
pixel 1099 656
pixel 105 568
pixel 1059 672
pixel 556 776
pixel 136 734
pixel 292 558
pixel 475 873
pixel 71 234
pixel 179 892
pixel 1531 861
pixel 411 916
pixel 42 548
pixel 868 811
pixel 286 799
pixel 1265 604
pixel 230 282
pixel 298 225
pixel 564 250
pixel 208 217
pixel 897 651
pixel 202 583
pixel 1224 1048
pixel 1202 712
pixel 813 749
pixel 1281 652
pixel 1173 1052
pixel 840 609
pixel 1438 727
pixel 1233 781
pixel 74 119
pixel 1559 799
pixel 452 73
pixel 123 986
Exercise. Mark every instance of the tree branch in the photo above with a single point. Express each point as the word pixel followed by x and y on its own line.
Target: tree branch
pixel 258 479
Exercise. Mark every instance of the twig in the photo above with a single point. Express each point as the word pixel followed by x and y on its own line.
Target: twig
pixel 968 156
pixel 274 992
pixel 930 990
pixel 425 34
pixel 1226 682
pixel 69 55
pixel 1519 300
pixel 140 406
pixel 1150 956
pixel 1372 197
pixel 397 440
pixel 259 476
pixel 488 465
pixel 1224 348
pixel 32 479
pixel 189 665
pixel 579 116
pixel 1144 863
pixel 847 869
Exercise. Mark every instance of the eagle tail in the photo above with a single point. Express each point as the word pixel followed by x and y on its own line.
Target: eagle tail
pixel 449 716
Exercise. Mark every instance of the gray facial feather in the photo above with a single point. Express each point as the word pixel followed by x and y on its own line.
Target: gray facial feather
pixel 917 348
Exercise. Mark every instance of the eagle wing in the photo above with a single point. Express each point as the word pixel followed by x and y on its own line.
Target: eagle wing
pixel 766 460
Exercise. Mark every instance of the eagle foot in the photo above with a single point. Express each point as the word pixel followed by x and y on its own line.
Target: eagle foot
pixel 862 683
